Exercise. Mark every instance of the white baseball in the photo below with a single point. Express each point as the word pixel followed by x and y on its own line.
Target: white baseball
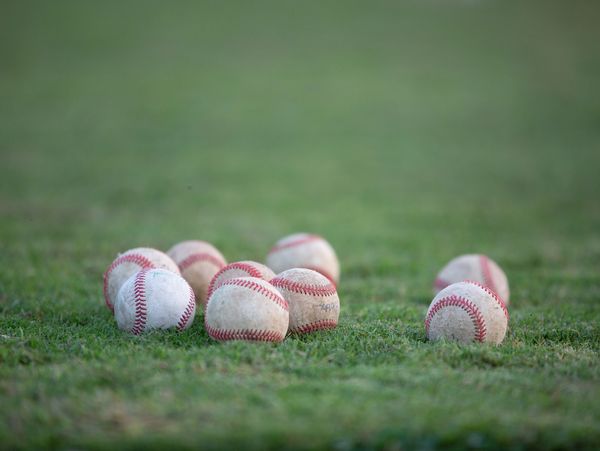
pixel 479 268
pixel 467 312
pixel 246 308
pixel 245 268
pixel 198 262
pixel 155 299
pixel 312 298
pixel 303 250
pixel 127 264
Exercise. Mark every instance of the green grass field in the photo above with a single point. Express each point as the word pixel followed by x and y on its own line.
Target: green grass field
pixel 405 132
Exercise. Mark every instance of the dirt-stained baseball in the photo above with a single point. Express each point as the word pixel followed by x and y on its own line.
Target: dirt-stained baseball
pixel 246 308
pixel 467 312
pixel 303 250
pixel 198 262
pixel 479 268
pixel 130 262
pixel 245 268
pixel 154 299
pixel 312 298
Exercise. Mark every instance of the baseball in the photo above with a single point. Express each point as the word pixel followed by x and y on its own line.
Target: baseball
pixel 154 299
pixel 303 250
pixel 467 312
pixel 127 264
pixel 479 268
pixel 312 298
pixel 246 268
pixel 246 308
pixel 198 262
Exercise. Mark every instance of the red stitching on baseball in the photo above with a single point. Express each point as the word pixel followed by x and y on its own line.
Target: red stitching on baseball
pixel 468 306
pixel 139 290
pixel 198 257
pixel 257 288
pixel 308 289
pixel 322 324
pixel 248 268
pixel 244 334
pixel 493 294
pixel 440 284
pixel 486 272
pixel 188 312
pixel 323 273
pixel 296 242
pixel 138 259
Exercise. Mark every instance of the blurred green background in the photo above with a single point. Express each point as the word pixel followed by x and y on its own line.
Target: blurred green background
pixel 404 132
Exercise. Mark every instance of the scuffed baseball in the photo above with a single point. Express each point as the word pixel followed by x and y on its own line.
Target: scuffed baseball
pixel 312 298
pixel 477 267
pixel 467 312
pixel 246 308
pixel 245 268
pixel 198 262
pixel 154 299
pixel 130 262
pixel 303 250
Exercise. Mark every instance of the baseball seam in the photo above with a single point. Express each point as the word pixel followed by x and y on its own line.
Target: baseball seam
pixel 139 291
pixel 322 324
pixel 301 288
pixel 440 284
pixel 323 273
pixel 296 242
pixel 493 294
pixel 248 268
pixel 486 272
pixel 138 259
pixel 200 257
pixel 257 288
pixel 188 312
pixel 469 307
pixel 244 334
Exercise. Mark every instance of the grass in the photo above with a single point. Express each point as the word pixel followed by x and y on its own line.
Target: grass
pixel 406 133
